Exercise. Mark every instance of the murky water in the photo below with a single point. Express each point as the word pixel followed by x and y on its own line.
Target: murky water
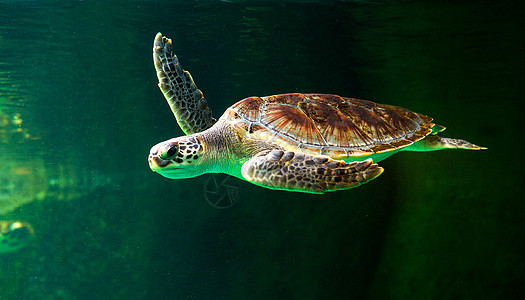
pixel 80 109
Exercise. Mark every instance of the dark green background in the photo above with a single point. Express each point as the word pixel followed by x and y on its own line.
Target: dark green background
pixel 441 225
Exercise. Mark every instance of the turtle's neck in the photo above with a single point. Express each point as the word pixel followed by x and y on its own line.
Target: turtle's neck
pixel 222 145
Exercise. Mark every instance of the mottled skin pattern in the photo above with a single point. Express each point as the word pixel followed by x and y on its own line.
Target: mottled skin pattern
pixel 14 235
pixel 186 101
pixel 310 143
pixel 287 170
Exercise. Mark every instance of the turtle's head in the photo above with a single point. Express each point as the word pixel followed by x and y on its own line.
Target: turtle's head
pixel 178 158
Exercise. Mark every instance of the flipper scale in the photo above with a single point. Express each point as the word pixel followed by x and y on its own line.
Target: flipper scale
pixel 287 170
pixel 186 101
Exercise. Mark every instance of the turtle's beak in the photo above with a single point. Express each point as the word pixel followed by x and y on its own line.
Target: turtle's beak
pixel 155 162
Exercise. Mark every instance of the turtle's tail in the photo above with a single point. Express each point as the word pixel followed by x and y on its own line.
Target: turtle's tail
pixel 434 142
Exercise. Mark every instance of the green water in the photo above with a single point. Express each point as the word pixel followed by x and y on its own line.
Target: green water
pixel 441 225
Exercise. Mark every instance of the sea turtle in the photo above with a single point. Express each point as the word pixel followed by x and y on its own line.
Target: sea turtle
pixel 311 143
pixel 14 235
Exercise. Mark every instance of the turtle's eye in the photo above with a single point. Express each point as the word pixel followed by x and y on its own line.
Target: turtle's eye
pixel 172 151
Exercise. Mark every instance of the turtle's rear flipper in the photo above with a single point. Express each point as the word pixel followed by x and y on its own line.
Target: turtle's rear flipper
pixel 434 142
pixel 291 171
pixel 186 101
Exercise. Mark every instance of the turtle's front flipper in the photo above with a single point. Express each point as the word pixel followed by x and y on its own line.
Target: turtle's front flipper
pixel 291 171
pixel 186 101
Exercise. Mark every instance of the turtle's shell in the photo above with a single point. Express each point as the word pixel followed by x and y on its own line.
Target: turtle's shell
pixel 328 124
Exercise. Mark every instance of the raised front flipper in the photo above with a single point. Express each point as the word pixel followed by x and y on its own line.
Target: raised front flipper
pixel 186 101
pixel 291 171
